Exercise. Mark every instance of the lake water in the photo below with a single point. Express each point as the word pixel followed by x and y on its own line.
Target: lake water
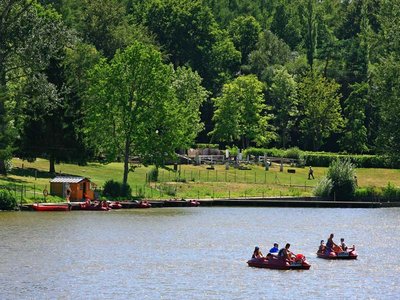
pixel 194 253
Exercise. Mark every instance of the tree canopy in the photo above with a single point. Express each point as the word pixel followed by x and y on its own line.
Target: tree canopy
pixel 278 73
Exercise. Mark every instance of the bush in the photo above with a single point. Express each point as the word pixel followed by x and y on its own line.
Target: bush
pixel 324 187
pixel 152 175
pixel 114 189
pixel 7 200
pixel 324 159
pixel 168 189
pixel 391 193
pixel 273 152
pixel 342 172
pixel 294 153
pixel 233 151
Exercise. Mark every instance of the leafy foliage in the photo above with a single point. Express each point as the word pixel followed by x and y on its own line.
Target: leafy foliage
pixel 324 187
pixel 114 189
pixel 7 200
pixel 341 172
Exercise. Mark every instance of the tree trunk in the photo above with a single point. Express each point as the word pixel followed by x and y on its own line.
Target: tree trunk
pixel 52 168
pixel 126 162
pixel 3 170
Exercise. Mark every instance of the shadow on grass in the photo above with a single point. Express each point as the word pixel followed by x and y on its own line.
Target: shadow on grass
pixel 10 180
pixel 31 172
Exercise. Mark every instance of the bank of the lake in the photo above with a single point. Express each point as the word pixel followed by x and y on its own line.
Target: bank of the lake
pixel 194 253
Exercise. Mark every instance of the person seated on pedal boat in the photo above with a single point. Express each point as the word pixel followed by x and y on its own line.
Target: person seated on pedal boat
pixel 330 244
pixel 343 245
pixel 285 253
pixel 322 246
pixel 275 249
pixel 257 253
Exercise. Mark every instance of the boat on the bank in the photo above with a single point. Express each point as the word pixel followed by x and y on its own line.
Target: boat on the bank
pixel 141 204
pixel 94 205
pixel 114 204
pixel 51 206
pixel 280 263
pixel 194 203
pixel 181 203
pixel 350 253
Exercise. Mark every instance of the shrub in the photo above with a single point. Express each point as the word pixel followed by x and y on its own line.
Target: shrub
pixel 274 152
pixel 114 189
pixel 324 187
pixel 7 200
pixel 294 153
pixel 168 189
pixel 233 151
pixel 391 193
pixel 341 172
pixel 152 175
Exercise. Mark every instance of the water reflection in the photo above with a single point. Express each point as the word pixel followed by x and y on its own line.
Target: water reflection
pixel 193 253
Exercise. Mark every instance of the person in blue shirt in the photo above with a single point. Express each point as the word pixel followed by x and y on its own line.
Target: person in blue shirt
pixel 274 249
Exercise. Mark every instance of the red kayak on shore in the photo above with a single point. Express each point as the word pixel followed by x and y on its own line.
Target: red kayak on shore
pixel 51 206
pixel 350 253
pixel 279 263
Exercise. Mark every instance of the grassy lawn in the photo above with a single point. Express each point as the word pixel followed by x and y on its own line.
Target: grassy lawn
pixel 190 181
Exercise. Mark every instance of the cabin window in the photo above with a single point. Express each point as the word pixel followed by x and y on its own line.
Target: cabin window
pixel 81 186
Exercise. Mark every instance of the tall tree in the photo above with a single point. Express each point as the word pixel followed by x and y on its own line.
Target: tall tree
pixel 244 32
pixel 354 139
pixel 284 102
pixel 241 113
pixel 132 108
pixel 319 100
pixel 29 36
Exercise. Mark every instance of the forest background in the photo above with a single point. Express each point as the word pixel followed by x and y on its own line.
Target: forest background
pixel 107 80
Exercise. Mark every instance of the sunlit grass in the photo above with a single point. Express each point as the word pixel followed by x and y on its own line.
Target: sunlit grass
pixel 190 181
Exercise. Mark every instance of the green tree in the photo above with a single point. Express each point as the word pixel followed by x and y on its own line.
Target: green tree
pixel 244 32
pixel 270 51
pixel 240 113
pixel 319 100
pixel 354 139
pixel 385 84
pixel 284 102
pixel 190 35
pixel 132 108
pixel 30 36
pixel 191 95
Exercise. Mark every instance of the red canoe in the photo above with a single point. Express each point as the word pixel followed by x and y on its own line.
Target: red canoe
pixel 51 206
pixel 274 262
pixel 351 253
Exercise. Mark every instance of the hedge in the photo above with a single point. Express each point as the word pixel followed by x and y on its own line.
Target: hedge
pixel 324 159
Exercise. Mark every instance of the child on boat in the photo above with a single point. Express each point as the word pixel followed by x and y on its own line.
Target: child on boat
pixel 257 253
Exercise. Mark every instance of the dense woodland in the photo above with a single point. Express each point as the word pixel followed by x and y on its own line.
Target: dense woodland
pixel 109 79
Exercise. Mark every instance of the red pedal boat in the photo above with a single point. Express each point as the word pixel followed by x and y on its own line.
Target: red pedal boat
pixel 275 262
pixel 350 253
pixel 95 205
pixel 51 206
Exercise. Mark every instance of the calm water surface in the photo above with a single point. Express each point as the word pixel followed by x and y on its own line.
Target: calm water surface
pixel 194 253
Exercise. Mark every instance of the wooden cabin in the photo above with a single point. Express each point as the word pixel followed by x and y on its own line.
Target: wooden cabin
pixel 76 187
